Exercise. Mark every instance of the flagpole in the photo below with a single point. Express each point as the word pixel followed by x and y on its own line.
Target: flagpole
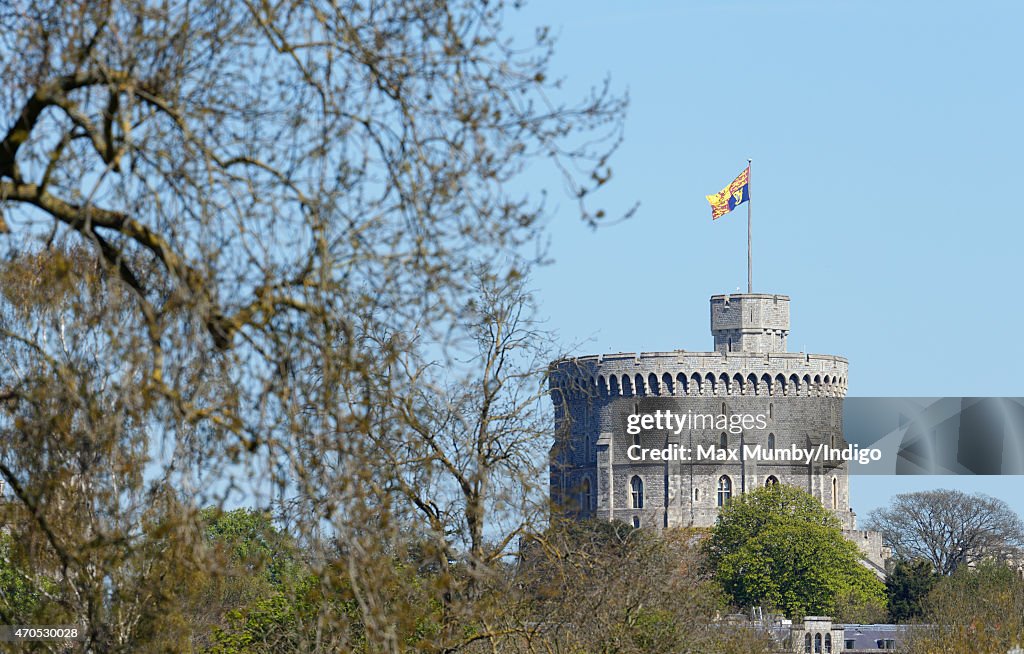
pixel 750 260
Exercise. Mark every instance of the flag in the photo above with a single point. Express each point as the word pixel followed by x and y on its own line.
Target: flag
pixel 731 196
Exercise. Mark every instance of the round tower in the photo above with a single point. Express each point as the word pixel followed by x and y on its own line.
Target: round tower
pixel 594 471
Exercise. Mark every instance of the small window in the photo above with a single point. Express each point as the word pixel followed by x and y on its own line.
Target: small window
pixel 723 440
pixel 807 643
pixel 637 488
pixel 835 494
pixel 636 522
pixel 696 495
pixel 850 643
pixel 771 481
pixel 724 490
pixel 817 643
pixel 771 442
pixel 828 643
pixel 586 498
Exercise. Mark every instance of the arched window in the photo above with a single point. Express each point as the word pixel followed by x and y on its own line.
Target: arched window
pixel 696 495
pixel 636 522
pixel 586 498
pixel 771 442
pixel 723 440
pixel 828 643
pixel 807 643
pixel 835 494
pixel 817 643
pixel 771 481
pixel 637 486
pixel 724 490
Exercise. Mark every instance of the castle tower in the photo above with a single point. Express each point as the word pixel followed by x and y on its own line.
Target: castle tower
pixel 749 372
pixel 753 322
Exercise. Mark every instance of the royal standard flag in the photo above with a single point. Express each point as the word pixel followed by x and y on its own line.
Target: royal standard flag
pixel 731 196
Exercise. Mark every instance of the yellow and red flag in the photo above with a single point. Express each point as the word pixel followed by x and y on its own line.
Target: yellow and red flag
pixel 730 197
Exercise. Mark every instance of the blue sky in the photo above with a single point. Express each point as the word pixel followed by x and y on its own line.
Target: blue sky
pixel 886 147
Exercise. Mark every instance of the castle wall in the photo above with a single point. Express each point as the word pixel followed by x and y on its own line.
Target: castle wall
pixel 870 545
pixel 595 454
pixel 592 475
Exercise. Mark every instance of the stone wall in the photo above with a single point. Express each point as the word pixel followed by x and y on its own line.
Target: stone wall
pixel 592 476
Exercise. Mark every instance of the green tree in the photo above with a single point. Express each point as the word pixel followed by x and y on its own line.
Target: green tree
pixel 250 541
pixel 19 595
pixel 264 596
pixel 280 621
pixel 778 547
pixel 253 566
pixel 906 588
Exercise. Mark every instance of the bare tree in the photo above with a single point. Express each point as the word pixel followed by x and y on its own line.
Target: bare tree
pixel 261 153
pixel 482 435
pixel 457 453
pixel 949 528
pixel 249 235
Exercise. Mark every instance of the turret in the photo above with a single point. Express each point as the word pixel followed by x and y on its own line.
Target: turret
pixel 750 322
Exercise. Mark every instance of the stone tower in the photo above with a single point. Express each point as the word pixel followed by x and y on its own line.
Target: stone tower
pixel 750 323
pixel 749 372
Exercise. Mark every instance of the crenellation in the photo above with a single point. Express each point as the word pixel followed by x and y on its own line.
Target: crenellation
pixel 591 464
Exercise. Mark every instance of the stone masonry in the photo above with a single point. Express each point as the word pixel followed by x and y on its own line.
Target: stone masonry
pixel 748 371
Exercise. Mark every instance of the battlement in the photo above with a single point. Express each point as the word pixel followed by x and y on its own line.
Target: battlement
pixel 683 373
pixel 750 322
pixel 593 474
pixel 750 358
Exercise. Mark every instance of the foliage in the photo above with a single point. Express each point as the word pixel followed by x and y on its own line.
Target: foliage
pixel 606 587
pixel 277 249
pixel 252 543
pixel 948 528
pixel 277 622
pixel 19 595
pixel 777 547
pixel 979 609
pixel 906 588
